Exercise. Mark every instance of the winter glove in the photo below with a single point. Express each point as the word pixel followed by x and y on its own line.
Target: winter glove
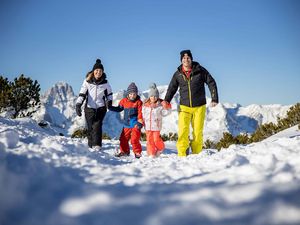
pixel 78 110
pixel 139 125
pixel 213 104
pixel 109 104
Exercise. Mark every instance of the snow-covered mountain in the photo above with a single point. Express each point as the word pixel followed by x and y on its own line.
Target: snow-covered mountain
pixel 58 109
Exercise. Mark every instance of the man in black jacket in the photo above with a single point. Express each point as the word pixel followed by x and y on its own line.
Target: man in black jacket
pixel 190 77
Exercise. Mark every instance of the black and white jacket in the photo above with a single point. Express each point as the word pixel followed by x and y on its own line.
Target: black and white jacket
pixel 97 92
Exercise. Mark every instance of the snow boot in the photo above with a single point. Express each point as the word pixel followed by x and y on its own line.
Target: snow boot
pixel 137 155
pixel 121 154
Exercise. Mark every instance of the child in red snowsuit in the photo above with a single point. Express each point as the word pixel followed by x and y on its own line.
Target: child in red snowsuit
pixel 133 122
pixel 154 109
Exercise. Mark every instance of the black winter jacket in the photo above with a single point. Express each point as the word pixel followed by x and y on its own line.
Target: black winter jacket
pixel 192 91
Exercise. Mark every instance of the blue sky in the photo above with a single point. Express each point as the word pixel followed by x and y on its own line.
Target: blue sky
pixel 251 48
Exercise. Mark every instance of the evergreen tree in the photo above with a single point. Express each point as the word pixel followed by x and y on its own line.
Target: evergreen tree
pixel 80 133
pixel 24 95
pixel 208 144
pixel 5 93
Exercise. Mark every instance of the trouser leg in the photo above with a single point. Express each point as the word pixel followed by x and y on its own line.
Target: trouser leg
pixel 124 138
pixel 159 143
pixel 184 120
pixel 90 118
pixel 150 143
pixel 135 140
pixel 198 125
pixel 97 126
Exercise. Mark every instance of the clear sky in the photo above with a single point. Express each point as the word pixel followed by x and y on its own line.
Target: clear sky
pixel 252 48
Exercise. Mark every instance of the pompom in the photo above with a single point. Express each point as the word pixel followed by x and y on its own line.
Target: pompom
pixel 98 61
pixel 152 85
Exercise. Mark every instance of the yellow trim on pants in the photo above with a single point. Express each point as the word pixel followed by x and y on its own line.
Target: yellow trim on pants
pixel 187 116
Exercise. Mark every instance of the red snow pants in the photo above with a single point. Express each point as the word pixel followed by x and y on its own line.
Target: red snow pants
pixel 154 143
pixel 132 134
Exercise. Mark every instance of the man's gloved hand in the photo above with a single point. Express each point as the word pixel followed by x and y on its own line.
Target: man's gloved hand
pixel 78 109
pixel 213 104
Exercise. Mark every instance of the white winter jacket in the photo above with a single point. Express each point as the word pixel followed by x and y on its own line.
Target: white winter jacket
pixel 152 115
pixel 97 93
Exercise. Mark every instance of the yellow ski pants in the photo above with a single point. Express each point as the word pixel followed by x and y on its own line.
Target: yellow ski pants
pixel 194 116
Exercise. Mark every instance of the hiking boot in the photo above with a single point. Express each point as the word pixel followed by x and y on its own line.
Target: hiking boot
pixel 120 154
pixel 137 155
pixel 158 153
pixel 187 151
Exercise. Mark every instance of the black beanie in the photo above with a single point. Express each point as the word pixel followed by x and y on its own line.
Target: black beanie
pixel 188 52
pixel 98 65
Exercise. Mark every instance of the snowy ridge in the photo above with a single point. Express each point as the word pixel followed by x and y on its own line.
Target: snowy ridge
pixel 50 179
pixel 58 108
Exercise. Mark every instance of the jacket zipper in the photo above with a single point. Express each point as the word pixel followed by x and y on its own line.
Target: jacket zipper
pixel 190 93
pixel 96 97
pixel 189 88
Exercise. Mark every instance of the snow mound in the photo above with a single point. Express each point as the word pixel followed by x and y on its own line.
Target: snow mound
pixel 52 179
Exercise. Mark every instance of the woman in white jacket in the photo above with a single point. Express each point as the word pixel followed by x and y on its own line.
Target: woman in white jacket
pixel 97 92
pixel 153 110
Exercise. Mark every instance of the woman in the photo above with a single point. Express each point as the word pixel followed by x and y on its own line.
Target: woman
pixel 97 93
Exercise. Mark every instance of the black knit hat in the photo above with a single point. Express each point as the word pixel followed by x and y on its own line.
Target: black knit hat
pixel 132 88
pixel 98 65
pixel 188 52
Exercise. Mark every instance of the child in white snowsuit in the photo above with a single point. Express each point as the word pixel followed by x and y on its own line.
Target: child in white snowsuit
pixel 153 110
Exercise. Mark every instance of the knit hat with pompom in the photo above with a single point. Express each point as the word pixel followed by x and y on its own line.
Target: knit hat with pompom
pixel 132 88
pixel 153 90
pixel 98 65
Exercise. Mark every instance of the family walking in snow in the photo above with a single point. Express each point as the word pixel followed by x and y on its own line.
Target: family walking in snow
pixel 190 77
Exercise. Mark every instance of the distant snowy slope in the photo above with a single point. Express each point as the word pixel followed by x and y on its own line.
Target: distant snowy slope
pixel 48 179
pixel 58 108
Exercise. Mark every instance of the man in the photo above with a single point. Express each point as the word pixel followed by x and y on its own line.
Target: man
pixel 190 78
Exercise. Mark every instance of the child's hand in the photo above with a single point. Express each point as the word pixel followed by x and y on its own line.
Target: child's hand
pixel 139 125
pixel 166 105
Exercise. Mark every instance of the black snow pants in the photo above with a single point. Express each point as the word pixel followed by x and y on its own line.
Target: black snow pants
pixel 94 119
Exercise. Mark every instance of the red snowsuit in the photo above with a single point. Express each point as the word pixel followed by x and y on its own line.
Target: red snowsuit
pixel 132 124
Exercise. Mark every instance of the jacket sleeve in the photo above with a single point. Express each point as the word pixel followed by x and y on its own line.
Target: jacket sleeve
pixel 212 85
pixel 109 94
pixel 118 108
pixel 140 115
pixel 82 93
pixel 172 88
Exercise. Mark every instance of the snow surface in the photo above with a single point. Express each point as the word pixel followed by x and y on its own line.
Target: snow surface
pixel 58 110
pixel 49 179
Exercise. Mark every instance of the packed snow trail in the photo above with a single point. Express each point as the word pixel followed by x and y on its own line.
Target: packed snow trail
pixel 57 180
